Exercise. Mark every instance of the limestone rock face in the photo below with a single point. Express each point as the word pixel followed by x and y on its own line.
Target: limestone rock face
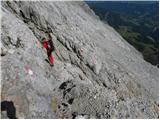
pixel 96 74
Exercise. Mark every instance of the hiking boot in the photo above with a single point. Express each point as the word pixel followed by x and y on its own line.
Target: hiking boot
pixel 51 65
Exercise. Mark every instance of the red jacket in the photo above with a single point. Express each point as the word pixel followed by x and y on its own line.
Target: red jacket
pixel 45 44
pixel 49 52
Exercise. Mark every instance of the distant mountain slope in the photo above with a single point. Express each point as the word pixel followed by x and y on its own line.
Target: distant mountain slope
pixel 137 22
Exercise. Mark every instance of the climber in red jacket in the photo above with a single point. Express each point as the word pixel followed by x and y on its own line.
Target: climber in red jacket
pixel 48 45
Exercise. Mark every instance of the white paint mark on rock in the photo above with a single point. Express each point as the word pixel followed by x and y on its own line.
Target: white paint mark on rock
pixel 30 72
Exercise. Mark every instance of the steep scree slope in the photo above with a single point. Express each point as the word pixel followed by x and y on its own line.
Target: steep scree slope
pixel 96 73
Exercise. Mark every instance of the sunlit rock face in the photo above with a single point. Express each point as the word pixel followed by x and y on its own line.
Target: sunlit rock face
pixel 96 74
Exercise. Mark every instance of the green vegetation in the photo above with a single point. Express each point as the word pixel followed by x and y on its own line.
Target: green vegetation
pixel 137 22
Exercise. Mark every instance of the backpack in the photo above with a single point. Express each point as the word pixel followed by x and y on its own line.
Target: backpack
pixel 51 45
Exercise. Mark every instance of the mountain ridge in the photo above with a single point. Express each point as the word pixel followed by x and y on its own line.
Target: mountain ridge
pixel 96 73
pixel 136 21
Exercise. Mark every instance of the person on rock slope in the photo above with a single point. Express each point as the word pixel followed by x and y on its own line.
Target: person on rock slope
pixel 48 46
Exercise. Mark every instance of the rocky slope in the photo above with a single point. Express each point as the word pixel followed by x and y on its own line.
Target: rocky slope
pixel 96 73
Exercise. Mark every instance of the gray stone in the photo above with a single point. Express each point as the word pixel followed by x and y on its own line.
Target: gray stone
pixel 96 73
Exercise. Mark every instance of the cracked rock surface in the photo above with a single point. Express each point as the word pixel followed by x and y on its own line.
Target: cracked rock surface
pixel 96 73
